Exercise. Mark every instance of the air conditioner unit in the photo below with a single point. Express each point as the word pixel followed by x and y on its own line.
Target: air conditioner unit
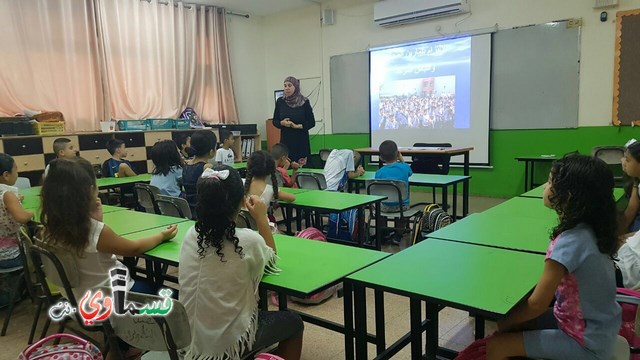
pixel 397 12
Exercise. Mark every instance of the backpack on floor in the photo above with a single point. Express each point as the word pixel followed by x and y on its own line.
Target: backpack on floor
pixel 77 349
pixel 315 234
pixel 343 225
pixel 629 300
pixel 433 218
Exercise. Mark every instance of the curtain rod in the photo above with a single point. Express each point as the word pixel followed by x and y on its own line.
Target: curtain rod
pixel 238 14
pixel 188 6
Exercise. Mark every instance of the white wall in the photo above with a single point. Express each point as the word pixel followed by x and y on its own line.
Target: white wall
pixel 296 44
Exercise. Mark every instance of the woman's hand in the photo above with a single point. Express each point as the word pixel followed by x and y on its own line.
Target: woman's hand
pixel 286 122
pixel 297 126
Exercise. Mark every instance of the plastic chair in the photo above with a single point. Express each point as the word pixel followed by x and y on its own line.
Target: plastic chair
pixel 59 266
pixel 395 191
pixel 167 333
pixel 612 156
pixel 311 181
pixel 11 280
pixel 324 155
pixel 173 206
pixel 23 183
pixel 147 197
pixel 245 220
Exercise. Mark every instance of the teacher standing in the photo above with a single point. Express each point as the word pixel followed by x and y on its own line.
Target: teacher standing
pixel 293 115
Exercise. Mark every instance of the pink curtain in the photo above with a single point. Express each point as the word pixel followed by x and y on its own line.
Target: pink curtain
pixel 49 60
pixel 160 59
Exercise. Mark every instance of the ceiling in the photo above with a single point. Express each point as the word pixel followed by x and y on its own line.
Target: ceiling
pixel 256 7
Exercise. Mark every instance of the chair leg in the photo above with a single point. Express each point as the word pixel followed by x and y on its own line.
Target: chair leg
pixel 15 290
pixel 45 328
pixel 34 324
pixel 433 193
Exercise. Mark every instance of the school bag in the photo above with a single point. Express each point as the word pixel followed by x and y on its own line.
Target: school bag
pixel 629 300
pixel 343 225
pixel 79 349
pixel 433 218
pixel 194 119
pixel 314 234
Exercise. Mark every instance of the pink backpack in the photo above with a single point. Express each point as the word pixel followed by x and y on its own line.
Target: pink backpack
pixel 267 356
pixel 79 349
pixel 629 300
pixel 315 234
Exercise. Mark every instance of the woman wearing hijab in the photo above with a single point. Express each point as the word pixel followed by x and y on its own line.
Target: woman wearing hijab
pixel 294 117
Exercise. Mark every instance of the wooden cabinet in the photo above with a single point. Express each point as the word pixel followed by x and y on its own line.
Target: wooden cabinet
pixel 33 153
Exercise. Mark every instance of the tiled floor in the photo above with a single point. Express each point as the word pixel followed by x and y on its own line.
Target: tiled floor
pixel 456 327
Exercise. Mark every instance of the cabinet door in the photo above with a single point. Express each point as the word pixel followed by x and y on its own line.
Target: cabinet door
pixel 47 143
pixel 131 139
pixel 137 154
pixel 96 157
pixel 23 146
pixel 152 137
pixel 29 162
pixel 94 142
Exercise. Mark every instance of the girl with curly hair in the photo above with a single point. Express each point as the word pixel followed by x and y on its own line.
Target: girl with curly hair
pixel 220 271
pixel 578 270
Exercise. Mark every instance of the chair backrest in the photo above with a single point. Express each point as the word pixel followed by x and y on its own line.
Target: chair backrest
pixel 311 181
pixel 154 333
pixel 23 183
pixel 431 163
pixel 279 179
pixel 394 190
pixel 324 154
pixel 147 197
pixel 246 221
pixel 173 206
pixel 611 155
pixel 58 265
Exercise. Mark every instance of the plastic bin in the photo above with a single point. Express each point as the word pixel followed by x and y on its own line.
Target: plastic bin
pixel 132 125
pixel 48 128
pixel 182 124
pixel 161 124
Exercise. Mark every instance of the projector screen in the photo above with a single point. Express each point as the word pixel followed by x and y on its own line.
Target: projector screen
pixel 433 92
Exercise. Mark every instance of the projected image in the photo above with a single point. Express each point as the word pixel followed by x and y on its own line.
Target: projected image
pixel 417 103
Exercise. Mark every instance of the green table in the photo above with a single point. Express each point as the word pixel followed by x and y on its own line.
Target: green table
pixel 322 201
pixel 113 182
pixel 512 232
pixel 526 207
pixel 32 191
pixel 618 193
pixel 105 209
pixel 294 191
pixel 169 251
pixel 486 281
pixel 239 165
pixel 31 202
pixel 434 180
pixel 530 161
pixel 127 222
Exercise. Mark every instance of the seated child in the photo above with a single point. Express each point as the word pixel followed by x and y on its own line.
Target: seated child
pixel 184 145
pixel 394 169
pixel 220 271
pixel 63 148
pixel 167 168
pixel 340 167
pixel 117 166
pixel 203 147
pixel 280 154
pixel 631 167
pixel 12 214
pixel 628 261
pixel 225 155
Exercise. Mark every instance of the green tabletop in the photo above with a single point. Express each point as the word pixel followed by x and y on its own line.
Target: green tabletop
pixel 105 209
pixel 127 222
pixel 32 191
pixel 309 265
pixel 332 200
pixel 527 207
pixel 618 193
pixel 487 280
pixel 316 171
pixel 421 179
pixel 31 201
pixel 294 191
pixel 168 251
pixel 239 165
pixel 108 182
pixel 549 158
pixel 500 230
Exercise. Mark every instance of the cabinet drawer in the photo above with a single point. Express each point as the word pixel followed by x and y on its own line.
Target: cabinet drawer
pixel 137 154
pixel 26 146
pixel 132 139
pixel 47 143
pixel 29 162
pixel 151 138
pixel 94 142
pixel 96 157
pixel 150 166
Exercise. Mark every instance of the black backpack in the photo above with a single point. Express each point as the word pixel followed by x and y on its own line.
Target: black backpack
pixel 433 218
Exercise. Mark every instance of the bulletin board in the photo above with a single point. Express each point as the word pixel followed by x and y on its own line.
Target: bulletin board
pixel 626 72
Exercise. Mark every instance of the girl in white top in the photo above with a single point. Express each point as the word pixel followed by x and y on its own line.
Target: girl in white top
pixel 72 219
pixel 260 166
pixel 220 271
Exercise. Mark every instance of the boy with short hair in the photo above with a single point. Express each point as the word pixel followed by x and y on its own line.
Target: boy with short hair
pixel 225 155
pixel 117 166
pixel 280 154
pixel 184 143
pixel 63 148
pixel 394 169
pixel 340 167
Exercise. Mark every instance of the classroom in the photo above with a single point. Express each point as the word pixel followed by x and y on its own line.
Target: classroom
pixel 463 163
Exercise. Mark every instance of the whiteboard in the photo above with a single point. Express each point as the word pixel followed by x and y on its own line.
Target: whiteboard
pixel 349 76
pixel 535 77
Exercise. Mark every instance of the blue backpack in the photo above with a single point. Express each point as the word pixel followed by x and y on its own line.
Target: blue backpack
pixel 343 225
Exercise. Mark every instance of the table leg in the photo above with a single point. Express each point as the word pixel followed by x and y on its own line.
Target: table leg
pixel 465 187
pixel 531 175
pixel 262 302
pixel 157 270
pixel 347 298
pixel 432 331
pixel 282 301
pixel 380 330
pixel 360 315
pixel 289 211
pixel 361 231
pixel 416 328
pixel 445 199
pixel 526 175
pixel 479 327
pixel 377 209
pixel 454 214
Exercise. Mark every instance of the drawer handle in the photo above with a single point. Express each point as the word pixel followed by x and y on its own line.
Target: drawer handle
pixel 26 163
pixel 24 146
pixel 97 157
pixel 95 141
